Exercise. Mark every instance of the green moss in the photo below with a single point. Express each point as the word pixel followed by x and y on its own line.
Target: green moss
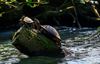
pixel 34 41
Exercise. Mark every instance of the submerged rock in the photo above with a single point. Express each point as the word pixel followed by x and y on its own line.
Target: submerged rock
pixel 33 43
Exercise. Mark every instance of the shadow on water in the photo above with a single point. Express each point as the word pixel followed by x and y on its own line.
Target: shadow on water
pixel 39 60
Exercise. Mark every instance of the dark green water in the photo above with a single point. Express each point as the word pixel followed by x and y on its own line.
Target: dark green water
pixel 75 41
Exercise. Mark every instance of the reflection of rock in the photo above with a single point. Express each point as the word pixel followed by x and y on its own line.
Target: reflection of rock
pixel 33 43
pixel 39 60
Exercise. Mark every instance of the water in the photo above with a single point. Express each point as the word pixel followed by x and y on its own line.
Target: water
pixel 82 48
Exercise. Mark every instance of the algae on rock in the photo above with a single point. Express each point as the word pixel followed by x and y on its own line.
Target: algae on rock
pixel 33 43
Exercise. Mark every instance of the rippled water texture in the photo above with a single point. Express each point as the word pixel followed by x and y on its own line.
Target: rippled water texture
pixel 83 48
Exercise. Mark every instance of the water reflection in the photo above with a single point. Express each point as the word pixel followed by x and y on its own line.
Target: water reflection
pixel 39 60
pixel 5 35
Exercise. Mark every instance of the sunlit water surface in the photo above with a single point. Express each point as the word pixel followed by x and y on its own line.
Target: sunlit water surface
pixel 79 43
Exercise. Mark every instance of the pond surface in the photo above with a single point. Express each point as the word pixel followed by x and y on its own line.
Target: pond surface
pixel 83 47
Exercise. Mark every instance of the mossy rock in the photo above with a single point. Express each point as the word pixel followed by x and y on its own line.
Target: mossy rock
pixel 33 43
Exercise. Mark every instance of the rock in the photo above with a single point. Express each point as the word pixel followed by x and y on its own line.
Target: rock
pixel 33 43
